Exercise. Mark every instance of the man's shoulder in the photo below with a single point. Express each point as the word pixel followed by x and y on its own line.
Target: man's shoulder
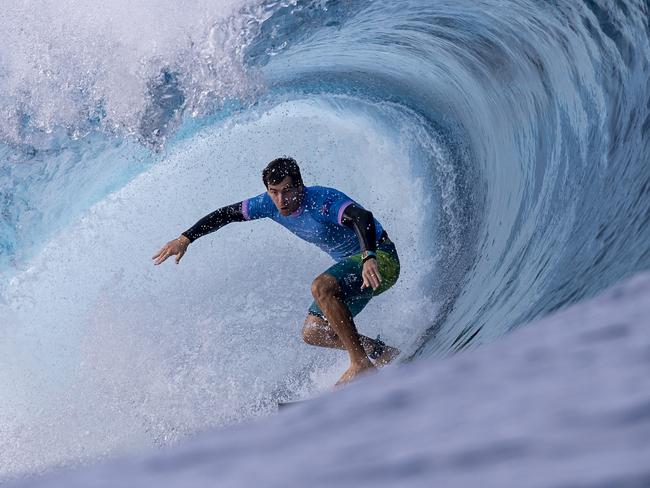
pixel 325 202
pixel 258 206
pixel 323 192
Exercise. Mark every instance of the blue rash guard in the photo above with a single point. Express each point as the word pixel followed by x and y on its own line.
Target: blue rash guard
pixel 318 220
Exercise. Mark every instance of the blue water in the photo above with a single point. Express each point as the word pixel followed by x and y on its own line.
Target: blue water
pixel 504 145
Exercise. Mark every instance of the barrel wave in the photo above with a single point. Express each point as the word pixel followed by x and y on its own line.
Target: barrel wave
pixel 503 145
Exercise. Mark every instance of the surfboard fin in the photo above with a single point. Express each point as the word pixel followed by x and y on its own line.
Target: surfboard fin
pixel 378 348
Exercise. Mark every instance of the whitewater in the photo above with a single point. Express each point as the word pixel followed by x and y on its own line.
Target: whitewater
pixel 502 144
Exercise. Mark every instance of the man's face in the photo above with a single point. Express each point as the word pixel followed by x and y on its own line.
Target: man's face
pixel 286 197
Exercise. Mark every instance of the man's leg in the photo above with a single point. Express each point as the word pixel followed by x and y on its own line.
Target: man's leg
pixel 317 332
pixel 326 292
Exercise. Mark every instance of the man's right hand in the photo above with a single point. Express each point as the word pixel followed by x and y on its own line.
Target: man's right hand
pixel 176 247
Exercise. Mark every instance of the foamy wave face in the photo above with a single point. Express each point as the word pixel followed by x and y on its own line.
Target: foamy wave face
pixel 123 66
pixel 104 352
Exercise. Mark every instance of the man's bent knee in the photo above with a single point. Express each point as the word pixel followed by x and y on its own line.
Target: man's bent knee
pixel 324 286
pixel 313 329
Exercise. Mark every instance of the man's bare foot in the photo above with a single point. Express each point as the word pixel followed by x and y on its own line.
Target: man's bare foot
pixel 389 354
pixel 354 371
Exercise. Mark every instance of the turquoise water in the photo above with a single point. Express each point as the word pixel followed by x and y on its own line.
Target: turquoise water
pixel 504 146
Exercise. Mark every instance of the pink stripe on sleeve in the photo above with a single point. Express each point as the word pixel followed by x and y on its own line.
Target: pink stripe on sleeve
pixel 342 209
pixel 244 209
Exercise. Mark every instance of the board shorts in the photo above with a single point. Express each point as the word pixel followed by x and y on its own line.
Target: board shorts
pixel 348 275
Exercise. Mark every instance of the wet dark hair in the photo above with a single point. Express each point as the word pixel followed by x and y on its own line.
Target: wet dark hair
pixel 278 169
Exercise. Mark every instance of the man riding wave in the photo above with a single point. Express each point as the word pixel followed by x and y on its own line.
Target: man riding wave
pixel 366 260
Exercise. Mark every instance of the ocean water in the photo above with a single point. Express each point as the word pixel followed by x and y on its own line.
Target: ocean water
pixel 564 402
pixel 503 145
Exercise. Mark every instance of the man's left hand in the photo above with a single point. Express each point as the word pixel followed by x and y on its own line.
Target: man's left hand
pixel 370 274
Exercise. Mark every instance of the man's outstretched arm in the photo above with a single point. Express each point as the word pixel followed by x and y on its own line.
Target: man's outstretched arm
pixel 210 223
pixel 215 221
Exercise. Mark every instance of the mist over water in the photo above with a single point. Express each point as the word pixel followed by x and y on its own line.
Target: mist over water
pixel 72 69
pixel 503 145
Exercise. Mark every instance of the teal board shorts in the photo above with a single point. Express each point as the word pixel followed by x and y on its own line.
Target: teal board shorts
pixel 348 275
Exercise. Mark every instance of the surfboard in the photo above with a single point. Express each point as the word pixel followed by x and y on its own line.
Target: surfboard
pixel 283 405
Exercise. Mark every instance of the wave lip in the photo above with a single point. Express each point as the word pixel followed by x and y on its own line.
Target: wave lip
pixel 74 70
pixel 542 111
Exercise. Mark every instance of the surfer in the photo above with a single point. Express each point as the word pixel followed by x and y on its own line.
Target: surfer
pixel 366 260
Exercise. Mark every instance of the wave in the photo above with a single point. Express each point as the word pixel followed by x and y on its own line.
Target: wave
pixel 502 144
